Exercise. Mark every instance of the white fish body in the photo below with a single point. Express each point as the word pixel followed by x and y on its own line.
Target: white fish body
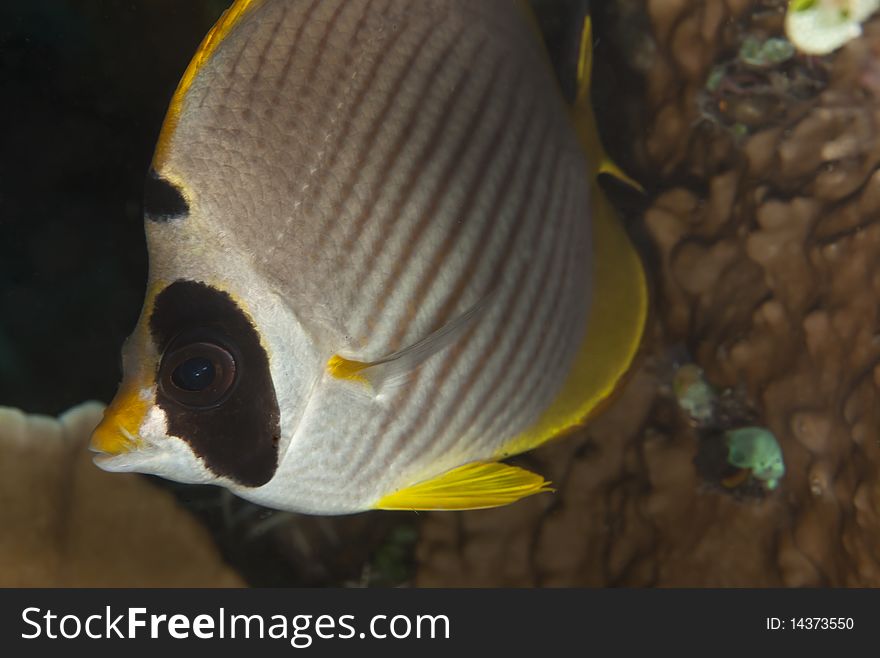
pixel 381 210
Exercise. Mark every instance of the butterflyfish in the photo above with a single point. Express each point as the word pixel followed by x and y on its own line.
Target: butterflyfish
pixel 379 263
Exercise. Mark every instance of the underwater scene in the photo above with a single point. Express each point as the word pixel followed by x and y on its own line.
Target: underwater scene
pixel 460 293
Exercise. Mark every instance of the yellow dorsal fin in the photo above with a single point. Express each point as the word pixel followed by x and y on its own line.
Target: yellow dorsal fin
pixel 619 307
pixel 608 166
pixel 229 19
pixel 472 486
pixel 585 63
pixel 585 120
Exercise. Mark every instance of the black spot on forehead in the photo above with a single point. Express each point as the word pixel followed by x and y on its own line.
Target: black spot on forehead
pixel 237 439
pixel 163 201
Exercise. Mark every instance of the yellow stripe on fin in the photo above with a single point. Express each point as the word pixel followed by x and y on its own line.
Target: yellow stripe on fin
pixel 472 486
pixel 585 120
pixel 229 19
pixel 614 332
pixel 585 63
pixel 608 166
pixel 619 308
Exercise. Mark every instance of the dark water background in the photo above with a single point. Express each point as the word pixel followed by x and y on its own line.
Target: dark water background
pixel 85 86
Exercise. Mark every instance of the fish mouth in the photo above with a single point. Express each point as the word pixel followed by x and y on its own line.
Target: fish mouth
pixel 111 441
pixel 118 450
pixel 115 435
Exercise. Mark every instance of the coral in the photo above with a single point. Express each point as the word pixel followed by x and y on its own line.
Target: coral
pixel 819 27
pixel 693 393
pixel 756 449
pixel 766 251
pixel 68 524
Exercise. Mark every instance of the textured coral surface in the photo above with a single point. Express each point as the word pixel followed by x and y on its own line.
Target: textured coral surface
pixel 765 253
pixel 68 524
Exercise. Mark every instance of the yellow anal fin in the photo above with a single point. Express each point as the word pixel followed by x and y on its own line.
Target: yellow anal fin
pixel 472 486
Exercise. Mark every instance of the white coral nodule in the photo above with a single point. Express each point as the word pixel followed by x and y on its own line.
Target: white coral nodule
pixel 818 27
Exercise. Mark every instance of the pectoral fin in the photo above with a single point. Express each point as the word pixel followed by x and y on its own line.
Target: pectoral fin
pixel 472 486
pixel 395 367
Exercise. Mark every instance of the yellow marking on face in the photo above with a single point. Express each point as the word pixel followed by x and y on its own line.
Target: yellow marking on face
pixel 245 308
pixel 153 289
pixel 230 18
pixel 344 369
pixel 118 431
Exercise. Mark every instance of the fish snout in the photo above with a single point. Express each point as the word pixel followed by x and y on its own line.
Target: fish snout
pixel 117 433
pixel 111 439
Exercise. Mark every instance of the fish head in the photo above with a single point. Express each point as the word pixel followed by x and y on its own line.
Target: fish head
pixel 319 274
pixel 133 435
pixel 198 402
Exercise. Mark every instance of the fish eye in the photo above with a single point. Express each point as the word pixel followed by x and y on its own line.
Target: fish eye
pixel 197 374
pixel 194 374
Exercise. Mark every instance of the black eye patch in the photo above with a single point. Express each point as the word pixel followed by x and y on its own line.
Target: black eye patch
pixel 163 201
pixel 214 383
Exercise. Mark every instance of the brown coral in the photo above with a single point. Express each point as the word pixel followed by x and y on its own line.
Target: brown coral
pixel 68 524
pixel 768 270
